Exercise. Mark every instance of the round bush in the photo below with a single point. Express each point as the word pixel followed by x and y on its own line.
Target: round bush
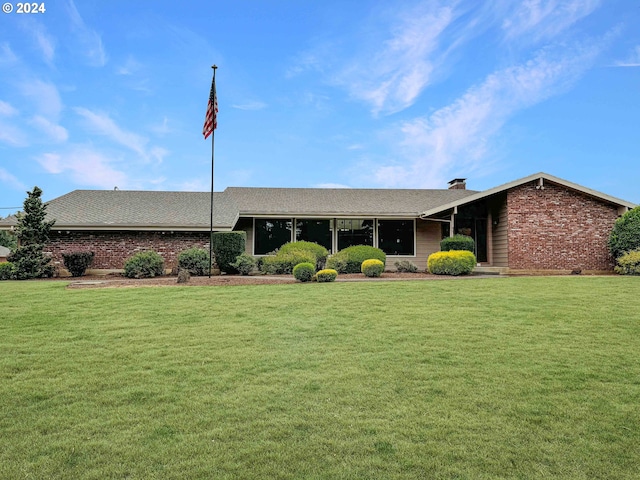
pixel 244 264
pixel 77 262
pixel 453 262
pixel 405 266
pixel 7 271
pixel 372 267
pixel 318 251
pixel 629 263
pixel 283 262
pixel 303 272
pixel 349 260
pixel 625 236
pixel 194 260
pixel 144 265
pixel 457 242
pixel 326 275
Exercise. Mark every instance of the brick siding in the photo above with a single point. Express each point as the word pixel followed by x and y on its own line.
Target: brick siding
pixel 558 229
pixel 112 249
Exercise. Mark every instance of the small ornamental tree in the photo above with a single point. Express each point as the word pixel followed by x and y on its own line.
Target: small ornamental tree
pixel 625 236
pixel 226 247
pixel 32 231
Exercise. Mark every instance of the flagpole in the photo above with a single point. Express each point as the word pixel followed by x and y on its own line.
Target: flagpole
pixel 213 133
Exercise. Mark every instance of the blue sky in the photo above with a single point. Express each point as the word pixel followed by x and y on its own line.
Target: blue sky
pixel 368 94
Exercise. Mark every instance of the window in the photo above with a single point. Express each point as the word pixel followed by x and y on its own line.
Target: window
pixel 270 234
pixel 396 237
pixel 354 231
pixel 317 231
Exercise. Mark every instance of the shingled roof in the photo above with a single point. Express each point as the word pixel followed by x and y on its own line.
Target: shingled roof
pixel 190 211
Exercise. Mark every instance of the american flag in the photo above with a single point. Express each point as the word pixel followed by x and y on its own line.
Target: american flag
pixel 211 118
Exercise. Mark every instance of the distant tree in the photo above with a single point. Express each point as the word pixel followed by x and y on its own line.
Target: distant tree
pixel 7 239
pixel 32 232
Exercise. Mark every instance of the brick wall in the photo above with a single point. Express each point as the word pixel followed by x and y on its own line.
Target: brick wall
pixel 112 249
pixel 557 229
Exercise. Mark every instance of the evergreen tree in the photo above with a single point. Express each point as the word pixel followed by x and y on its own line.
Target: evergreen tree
pixel 32 231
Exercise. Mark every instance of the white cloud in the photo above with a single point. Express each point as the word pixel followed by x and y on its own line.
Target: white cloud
pixel 102 124
pixel 10 180
pixel 85 166
pixel 88 38
pixel 56 132
pixel 12 135
pixel 7 110
pixel 44 96
pixel 632 61
pixel 459 135
pixel 129 67
pixel 391 72
pixel 44 41
pixel 544 19
pixel 7 57
pixel 257 105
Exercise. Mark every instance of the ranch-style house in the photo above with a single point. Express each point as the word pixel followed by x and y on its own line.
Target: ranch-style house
pixel 536 223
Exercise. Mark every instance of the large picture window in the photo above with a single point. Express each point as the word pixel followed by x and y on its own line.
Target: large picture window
pixel 353 231
pixel 270 234
pixel 317 231
pixel 396 237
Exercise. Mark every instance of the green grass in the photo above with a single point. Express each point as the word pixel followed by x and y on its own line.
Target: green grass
pixel 477 378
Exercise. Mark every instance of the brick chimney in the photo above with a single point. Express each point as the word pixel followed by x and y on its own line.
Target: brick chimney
pixel 458 184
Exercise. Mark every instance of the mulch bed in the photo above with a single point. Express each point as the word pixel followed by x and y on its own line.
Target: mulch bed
pixel 118 281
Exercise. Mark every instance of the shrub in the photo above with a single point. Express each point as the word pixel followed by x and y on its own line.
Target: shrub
pixel 77 262
pixel 326 275
pixel 457 242
pixel 7 271
pixel 227 246
pixel 303 272
pixel 319 251
pixel 144 265
pixel 194 260
pixel 629 263
pixel 283 262
pixel 453 262
pixel 30 261
pixel 372 267
pixel 405 266
pixel 625 236
pixel 349 260
pixel 244 264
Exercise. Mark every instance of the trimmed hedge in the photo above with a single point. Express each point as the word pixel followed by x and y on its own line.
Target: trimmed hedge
pixel 319 251
pixel 326 275
pixel 7 271
pixel 453 262
pixel 303 272
pixel 625 235
pixel 194 260
pixel 226 247
pixel 283 263
pixel 244 264
pixel 144 265
pixel 372 267
pixel 405 266
pixel 77 262
pixel 629 263
pixel 349 260
pixel 457 242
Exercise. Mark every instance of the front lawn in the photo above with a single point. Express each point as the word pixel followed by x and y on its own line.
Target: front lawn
pixel 476 378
